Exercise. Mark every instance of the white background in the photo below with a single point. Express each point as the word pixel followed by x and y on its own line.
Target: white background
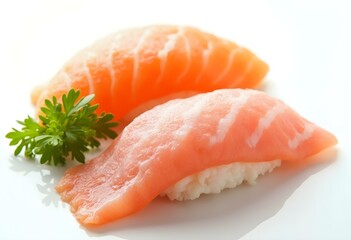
pixel 307 45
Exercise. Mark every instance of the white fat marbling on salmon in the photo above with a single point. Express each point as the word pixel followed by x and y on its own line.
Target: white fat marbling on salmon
pixel 110 63
pixel 228 120
pixel 67 79
pixel 115 43
pixel 206 53
pixel 263 124
pixel 191 117
pixel 188 57
pixel 301 136
pixel 170 44
pixel 87 73
pixel 247 70
pixel 136 50
pixel 163 53
pixel 229 65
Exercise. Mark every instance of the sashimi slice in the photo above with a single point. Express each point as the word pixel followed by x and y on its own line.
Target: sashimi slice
pixel 184 137
pixel 132 67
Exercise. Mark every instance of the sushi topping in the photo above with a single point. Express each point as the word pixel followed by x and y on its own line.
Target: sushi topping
pixel 67 130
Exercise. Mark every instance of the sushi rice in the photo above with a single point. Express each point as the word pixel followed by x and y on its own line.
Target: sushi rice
pixel 216 179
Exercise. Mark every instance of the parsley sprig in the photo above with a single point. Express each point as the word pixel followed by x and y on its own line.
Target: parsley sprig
pixel 67 130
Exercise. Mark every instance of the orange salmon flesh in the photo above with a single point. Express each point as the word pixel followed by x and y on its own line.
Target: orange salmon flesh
pixel 183 137
pixel 131 67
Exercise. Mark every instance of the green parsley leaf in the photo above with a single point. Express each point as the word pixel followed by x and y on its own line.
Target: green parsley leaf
pixel 67 130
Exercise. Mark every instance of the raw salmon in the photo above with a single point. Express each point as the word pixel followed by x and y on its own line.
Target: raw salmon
pixel 134 66
pixel 181 138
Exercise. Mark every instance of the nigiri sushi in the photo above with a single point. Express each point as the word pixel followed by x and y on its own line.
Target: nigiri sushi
pixel 186 147
pixel 131 67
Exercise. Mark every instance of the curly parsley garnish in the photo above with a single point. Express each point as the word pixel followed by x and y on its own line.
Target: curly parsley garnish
pixel 67 130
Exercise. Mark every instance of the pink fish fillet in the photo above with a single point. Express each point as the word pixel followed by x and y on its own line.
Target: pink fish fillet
pixel 184 137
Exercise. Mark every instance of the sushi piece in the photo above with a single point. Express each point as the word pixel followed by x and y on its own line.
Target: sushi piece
pixel 131 67
pixel 185 147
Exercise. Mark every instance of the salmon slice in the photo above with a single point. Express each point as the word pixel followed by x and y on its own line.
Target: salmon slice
pixel 134 66
pixel 184 137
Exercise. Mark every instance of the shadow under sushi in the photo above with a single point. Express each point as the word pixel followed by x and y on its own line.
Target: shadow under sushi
pixel 49 178
pixel 235 211
pixel 49 175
